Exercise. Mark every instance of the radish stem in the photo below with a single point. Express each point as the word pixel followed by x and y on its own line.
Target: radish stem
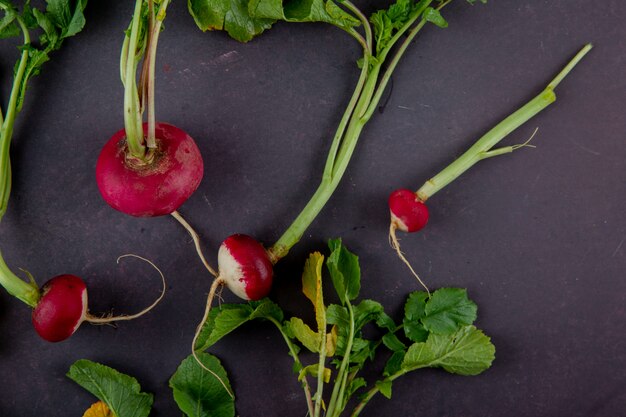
pixel 27 292
pixel 132 112
pixel 482 148
pixel 6 131
pixel 366 96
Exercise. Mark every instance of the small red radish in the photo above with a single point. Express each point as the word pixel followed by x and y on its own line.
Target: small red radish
pixel 60 306
pixel 407 208
pixel 61 309
pixel 155 188
pixel 245 267
pixel 408 212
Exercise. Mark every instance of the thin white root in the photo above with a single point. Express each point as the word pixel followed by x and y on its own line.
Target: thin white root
pixel 526 144
pixel 110 318
pixel 196 241
pixel 217 283
pixel 395 244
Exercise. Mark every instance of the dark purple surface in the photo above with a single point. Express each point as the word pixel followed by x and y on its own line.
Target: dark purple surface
pixel 537 237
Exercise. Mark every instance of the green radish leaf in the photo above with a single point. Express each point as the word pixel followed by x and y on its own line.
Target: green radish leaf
pixel 344 270
pixel 229 15
pixel 388 22
pixel 434 16
pixel 8 25
pixel 415 306
pixel 303 11
pixel 338 315
pixel 355 385
pixel 120 392
pixel 392 343
pixel 415 331
pixel 447 310
pixel 385 388
pixel 365 312
pixel 465 352
pixel 305 335
pixel 199 393
pixel 228 317
pixel 394 363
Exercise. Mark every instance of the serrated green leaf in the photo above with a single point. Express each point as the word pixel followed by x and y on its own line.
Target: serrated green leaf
pixel 229 15
pixel 385 388
pixel 301 11
pixel 199 393
pixel 305 335
pixel 344 270
pixel 392 342
pixel 465 352
pixel 8 26
pixel 434 16
pixel 415 331
pixel 120 392
pixel 365 312
pixel 386 23
pixel 447 310
pixel 355 384
pixel 228 317
pixel 394 363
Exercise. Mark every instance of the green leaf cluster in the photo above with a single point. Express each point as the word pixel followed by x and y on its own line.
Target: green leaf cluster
pixel 245 19
pixel 120 392
pixel 436 331
pixel 59 20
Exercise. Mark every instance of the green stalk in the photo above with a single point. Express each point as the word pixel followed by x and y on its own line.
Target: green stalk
pixel 375 390
pixel 294 354
pixel 6 131
pixel 335 406
pixel 132 111
pixel 27 292
pixel 340 152
pixel 482 149
pixel 320 373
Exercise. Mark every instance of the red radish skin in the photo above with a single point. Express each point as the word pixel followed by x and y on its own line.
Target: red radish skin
pixel 408 213
pixel 245 267
pixel 155 189
pixel 61 309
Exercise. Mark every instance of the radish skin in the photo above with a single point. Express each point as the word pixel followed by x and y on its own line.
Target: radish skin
pixel 61 309
pixel 152 189
pixel 245 267
pixel 408 212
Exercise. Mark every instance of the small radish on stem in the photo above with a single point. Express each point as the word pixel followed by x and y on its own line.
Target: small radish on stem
pixel 60 306
pixel 408 209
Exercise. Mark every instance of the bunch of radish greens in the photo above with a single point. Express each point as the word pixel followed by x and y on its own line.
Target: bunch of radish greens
pixel 245 267
pixel 436 331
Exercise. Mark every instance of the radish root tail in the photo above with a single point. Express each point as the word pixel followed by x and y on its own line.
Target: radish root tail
pixel 196 241
pixel 395 245
pixel 108 319
pixel 217 283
